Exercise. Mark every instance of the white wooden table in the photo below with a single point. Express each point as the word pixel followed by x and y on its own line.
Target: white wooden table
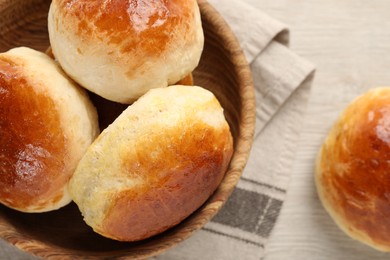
pixel 349 41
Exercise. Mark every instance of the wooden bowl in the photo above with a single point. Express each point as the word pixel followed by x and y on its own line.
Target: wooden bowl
pixel 63 234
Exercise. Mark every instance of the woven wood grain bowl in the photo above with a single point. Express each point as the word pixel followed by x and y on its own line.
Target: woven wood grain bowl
pixel 62 234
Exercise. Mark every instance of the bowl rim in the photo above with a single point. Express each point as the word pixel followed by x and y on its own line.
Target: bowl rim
pixel 197 220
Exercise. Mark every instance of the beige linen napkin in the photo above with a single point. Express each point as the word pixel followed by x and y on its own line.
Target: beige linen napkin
pixel 282 82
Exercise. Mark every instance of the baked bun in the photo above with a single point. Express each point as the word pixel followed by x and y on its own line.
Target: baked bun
pixel 353 170
pixel 121 49
pixel 157 163
pixel 46 124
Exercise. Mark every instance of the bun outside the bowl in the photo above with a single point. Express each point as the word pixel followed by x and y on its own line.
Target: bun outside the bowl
pixel 353 169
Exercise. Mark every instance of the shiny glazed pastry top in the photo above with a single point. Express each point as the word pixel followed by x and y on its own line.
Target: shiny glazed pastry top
pixel 158 162
pixel 121 49
pixel 353 169
pixel 46 124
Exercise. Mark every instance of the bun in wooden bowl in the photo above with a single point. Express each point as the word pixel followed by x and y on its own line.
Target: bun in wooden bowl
pixel 46 125
pixel 223 70
pixel 121 49
pixel 158 162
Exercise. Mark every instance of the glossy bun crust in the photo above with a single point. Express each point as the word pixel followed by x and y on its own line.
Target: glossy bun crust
pixel 157 163
pixel 46 124
pixel 353 170
pixel 121 49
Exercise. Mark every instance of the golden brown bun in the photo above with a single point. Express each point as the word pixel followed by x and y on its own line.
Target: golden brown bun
pixel 156 164
pixel 353 170
pixel 121 49
pixel 46 124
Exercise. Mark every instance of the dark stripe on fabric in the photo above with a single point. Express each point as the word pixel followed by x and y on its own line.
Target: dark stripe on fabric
pixel 249 211
pixel 266 225
pixel 263 184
